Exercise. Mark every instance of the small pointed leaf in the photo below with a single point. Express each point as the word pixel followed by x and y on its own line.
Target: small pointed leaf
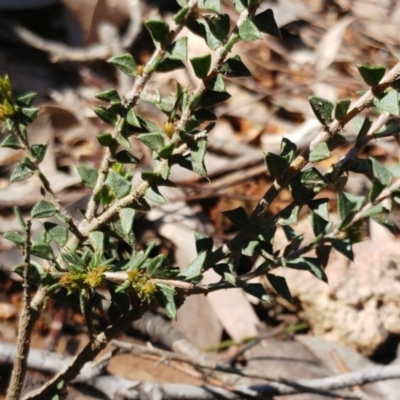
pixel 341 108
pixel 201 65
pixel 280 285
pixel 88 175
pixel 158 29
pixel 125 63
pixel 371 75
pixel 322 109
pixel 266 23
pixel 43 209
pixel 234 68
pixel 248 30
pixel 118 184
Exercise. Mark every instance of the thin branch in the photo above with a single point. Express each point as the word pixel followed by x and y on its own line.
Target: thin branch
pixel 26 324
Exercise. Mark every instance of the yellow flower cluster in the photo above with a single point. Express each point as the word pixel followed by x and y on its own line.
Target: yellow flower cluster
pixel 7 99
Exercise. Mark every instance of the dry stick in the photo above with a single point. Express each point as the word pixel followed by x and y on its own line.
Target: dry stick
pixel 300 161
pixel 39 359
pixel 89 352
pixel 135 23
pixel 58 52
pixel 26 323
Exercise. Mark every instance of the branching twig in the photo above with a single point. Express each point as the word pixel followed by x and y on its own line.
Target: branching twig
pixel 26 324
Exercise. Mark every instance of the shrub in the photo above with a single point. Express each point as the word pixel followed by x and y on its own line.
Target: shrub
pixel 87 255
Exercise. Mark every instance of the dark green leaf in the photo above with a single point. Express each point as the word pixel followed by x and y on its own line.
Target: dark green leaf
pixel 132 118
pixel 166 151
pixel 168 65
pixel 293 245
pixel 105 139
pixel 154 141
pixel 256 290
pixel 43 209
pixel 117 184
pixel 210 5
pixel 226 272
pixel 181 14
pixel 110 96
pixel 108 115
pixel 201 65
pixel 289 216
pixel 158 29
pixel 211 98
pixel 288 150
pixel 237 216
pixel 178 50
pixel 216 84
pixel 323 252
pixel 376 190
pixel 386 220
pixel 155 267
pixel 308 264
pixel 280 285
pixel 26 99
pixel 88 175
pixel 322 109
pixel 345 247
pixel 320 152
pixel 248 30
pixel 290 233
pixel 250 248
pixel 128 237
pixel 276 164
pixel 234 68
pixel 197 155
pixel 195 268
pixel 11 142
pixel 320 207
pixel 266 23
pixel 57 232
pixel 336 141
pixel 165 297
pixel 203 114
pixel 306 185
pixel 319 225
pixel 125 63
pixel 38 151
pixel 30 113
pixel 125 157
pixel 348 203
pixel 341 108
pixel 141 205
pixel 203 243
pixel 371 74
pixel 42 250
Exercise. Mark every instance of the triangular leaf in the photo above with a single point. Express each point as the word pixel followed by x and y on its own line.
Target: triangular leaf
pixel 43 209
pixel 125 63
pixel 322 109
pixel 195 268
pixel 266 23
pixel 88 175
pixel 371 75
pixel 280 285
